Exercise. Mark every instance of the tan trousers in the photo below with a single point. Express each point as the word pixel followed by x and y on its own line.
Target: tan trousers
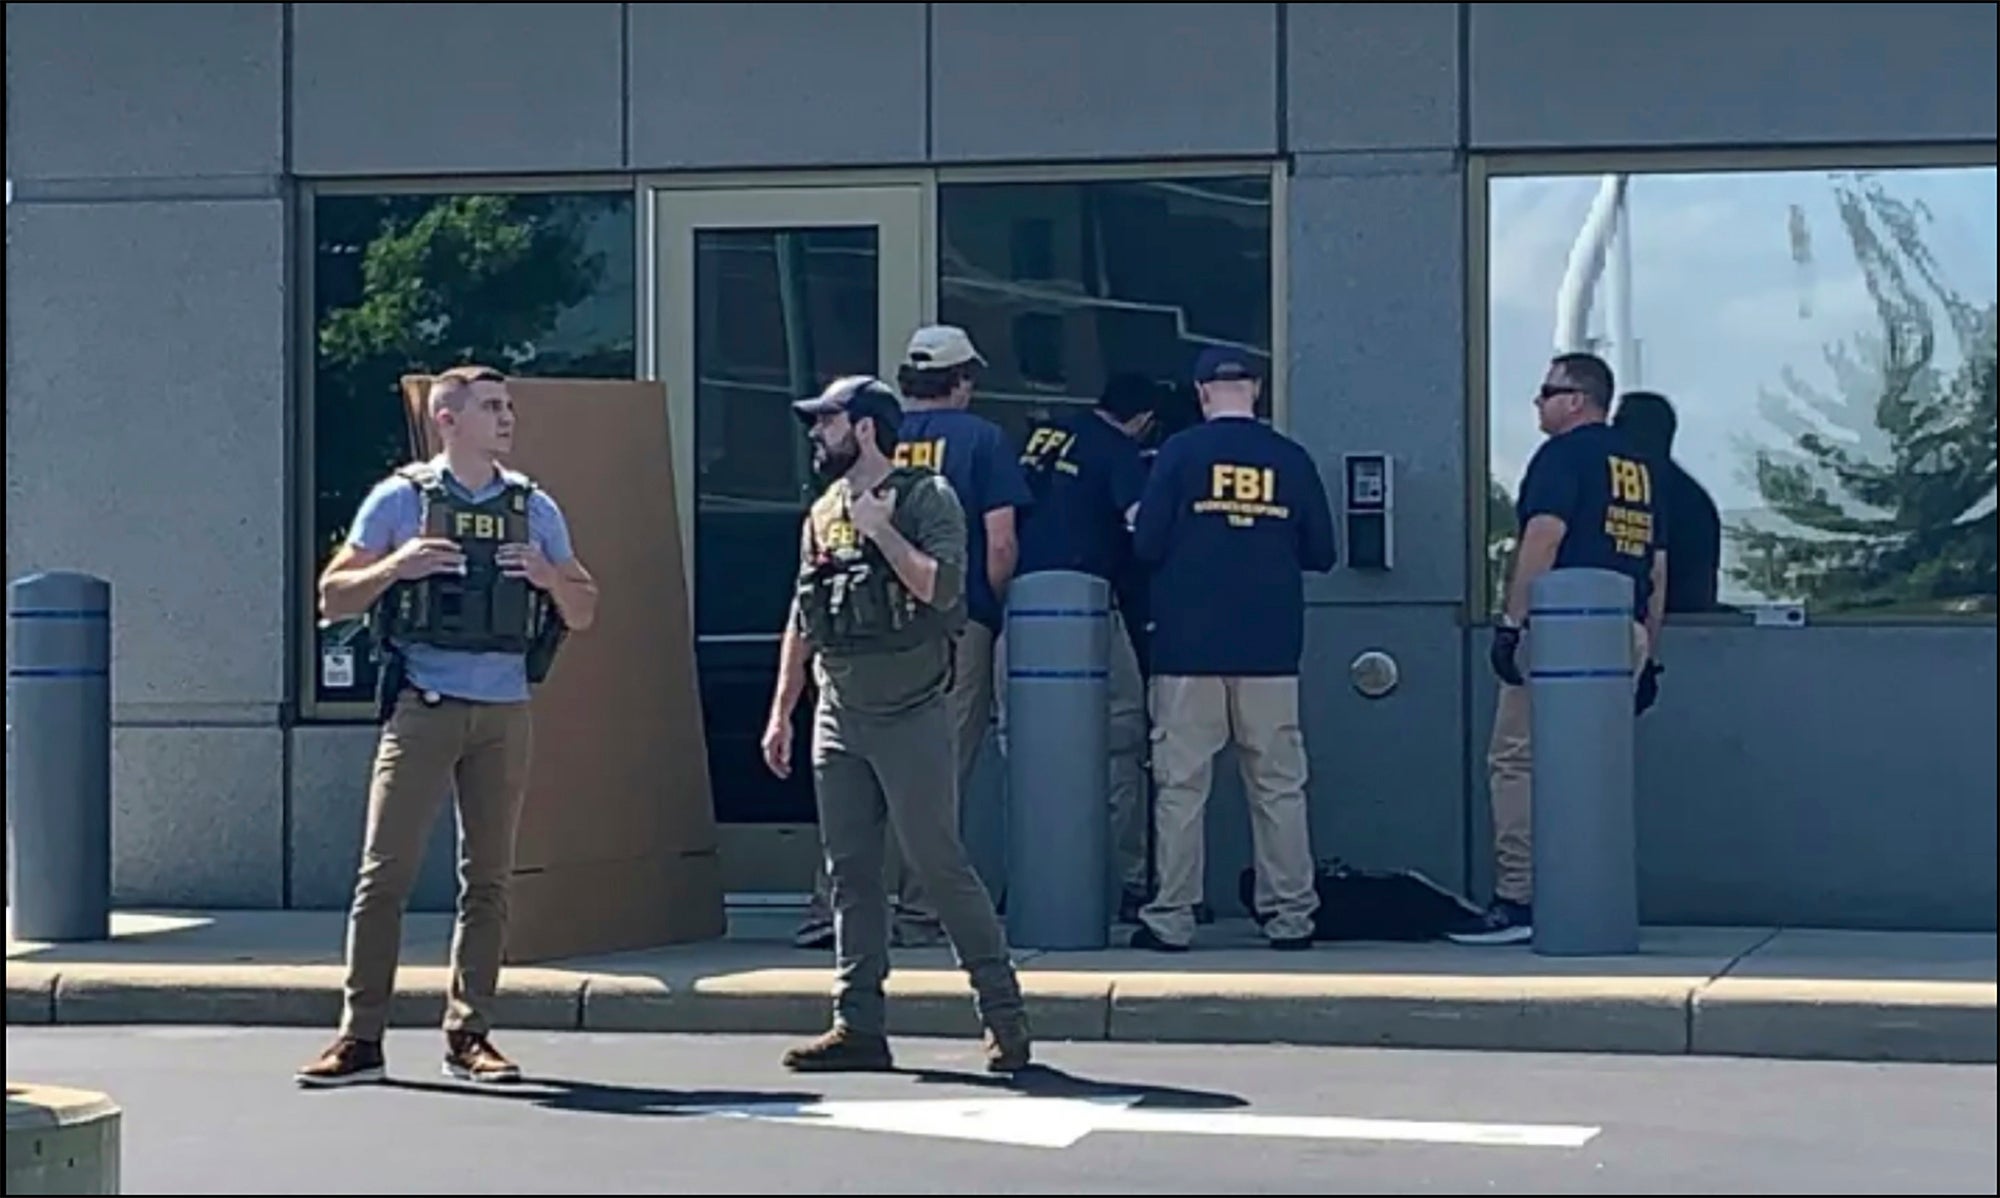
pixel 1511 779
pixel 1193 718
pixel 483 749
pixel 1125 746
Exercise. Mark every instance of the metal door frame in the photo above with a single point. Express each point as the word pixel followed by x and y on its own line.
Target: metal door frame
pixel 757 857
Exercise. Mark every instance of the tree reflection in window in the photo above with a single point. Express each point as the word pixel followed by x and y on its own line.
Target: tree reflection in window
pixel 533 283
pixel 1827 338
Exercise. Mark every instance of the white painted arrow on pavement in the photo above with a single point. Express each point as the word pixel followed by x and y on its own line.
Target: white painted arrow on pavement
pixel 1061 1122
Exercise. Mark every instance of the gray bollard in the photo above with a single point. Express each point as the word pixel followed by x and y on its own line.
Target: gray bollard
pixel 1580 680
pixel 1058 737
pixel 59 757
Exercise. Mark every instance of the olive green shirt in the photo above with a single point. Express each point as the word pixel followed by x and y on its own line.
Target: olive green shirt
pixel 930 517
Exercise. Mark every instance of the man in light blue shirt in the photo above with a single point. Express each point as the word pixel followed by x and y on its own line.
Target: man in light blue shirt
pixel 465 567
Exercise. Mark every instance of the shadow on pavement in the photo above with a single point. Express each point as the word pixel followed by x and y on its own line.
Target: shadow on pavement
pixel 1042 1081
pixel 600 1098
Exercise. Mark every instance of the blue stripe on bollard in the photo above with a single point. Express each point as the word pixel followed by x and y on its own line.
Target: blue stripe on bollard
pixel 57 613
pixel 1084 674
pixel 1578 611
pixel 56 672
pixel 1579 673
pixel 1059 613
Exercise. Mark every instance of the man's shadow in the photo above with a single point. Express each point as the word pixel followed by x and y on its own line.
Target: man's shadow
pixel 604 1098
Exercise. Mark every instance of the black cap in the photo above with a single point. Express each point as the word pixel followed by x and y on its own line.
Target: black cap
pixel 858 395
pixel 1219 362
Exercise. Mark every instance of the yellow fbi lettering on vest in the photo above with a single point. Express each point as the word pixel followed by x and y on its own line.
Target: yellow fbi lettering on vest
pixel 834 533
pixel 926 455
pixel 478 526
pixel 1045 442
pixel 1628 519
pixel 1242 493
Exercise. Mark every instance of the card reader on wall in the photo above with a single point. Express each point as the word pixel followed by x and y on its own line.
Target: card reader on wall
pixel 1370 543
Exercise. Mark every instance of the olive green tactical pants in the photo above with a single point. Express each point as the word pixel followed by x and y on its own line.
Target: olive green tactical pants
pixel 898 774
pixel 971 703
pixel 426 751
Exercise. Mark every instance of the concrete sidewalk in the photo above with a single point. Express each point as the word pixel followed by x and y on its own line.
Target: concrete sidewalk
pixel 1735 991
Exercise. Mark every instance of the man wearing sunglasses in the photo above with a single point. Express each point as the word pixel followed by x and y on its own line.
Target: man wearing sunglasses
pixel 1586 501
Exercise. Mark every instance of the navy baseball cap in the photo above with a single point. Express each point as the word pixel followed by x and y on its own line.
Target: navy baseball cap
pixel 1220 362
pixel 858 395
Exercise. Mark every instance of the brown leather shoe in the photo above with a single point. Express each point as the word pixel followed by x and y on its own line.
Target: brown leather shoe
pixel 346 1062
pixel 471 1057
pixel 842 1051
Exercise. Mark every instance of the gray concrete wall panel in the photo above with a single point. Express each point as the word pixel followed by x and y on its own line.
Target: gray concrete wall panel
pixel 1055 81
pixel 1835 776
pixel 457 88
pixel 144 91
pixel 722 85
pixel 197 817
pixel 146 434
pixel 1372 76
pixel 1626 75
pixel 1377 311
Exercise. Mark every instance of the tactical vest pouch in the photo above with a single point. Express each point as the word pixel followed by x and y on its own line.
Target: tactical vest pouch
pixel 483 610
pixel 550 633
pixel 852 601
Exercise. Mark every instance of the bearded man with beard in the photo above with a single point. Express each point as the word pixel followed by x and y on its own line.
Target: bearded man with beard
pixel 879 596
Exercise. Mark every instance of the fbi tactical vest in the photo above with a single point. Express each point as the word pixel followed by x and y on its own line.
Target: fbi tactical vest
pixel 850 598
pixel 483 610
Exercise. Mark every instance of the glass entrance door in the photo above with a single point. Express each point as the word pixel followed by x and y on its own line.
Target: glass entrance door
pixel 764 296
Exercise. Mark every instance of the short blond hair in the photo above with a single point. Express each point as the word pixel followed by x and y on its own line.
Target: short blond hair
pixel 449 389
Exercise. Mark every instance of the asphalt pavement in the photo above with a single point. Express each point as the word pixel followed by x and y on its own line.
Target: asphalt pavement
pixel 214 1111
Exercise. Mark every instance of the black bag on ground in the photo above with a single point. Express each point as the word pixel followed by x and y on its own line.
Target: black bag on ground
pixel 1368 904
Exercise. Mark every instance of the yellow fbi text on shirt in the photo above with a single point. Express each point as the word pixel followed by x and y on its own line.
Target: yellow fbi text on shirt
pixel 1046 442
pixel 1628 519
pixel 925 455
pixel 1242 494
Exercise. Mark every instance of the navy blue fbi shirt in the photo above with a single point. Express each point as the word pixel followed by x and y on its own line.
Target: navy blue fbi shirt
pixel 1234 513
pixel 1603 493
pixel 972 454
pixel 1084 474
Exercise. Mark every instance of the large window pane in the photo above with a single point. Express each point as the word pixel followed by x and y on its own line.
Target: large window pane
pixel 779 314
pixel 1063 284
pixel 534 284
pixel 1827 341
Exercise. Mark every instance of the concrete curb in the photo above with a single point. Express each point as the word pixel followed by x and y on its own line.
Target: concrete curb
pixel 1847 1020
pixel 1792 1018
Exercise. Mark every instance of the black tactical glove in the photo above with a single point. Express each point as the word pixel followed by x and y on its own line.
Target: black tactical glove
pixel 1506 644
pixel 1648 692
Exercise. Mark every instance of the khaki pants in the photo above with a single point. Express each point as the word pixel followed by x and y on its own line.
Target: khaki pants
pixel 424 750
pixel 1511 780
pixel 1193 718
pixel 1125 746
